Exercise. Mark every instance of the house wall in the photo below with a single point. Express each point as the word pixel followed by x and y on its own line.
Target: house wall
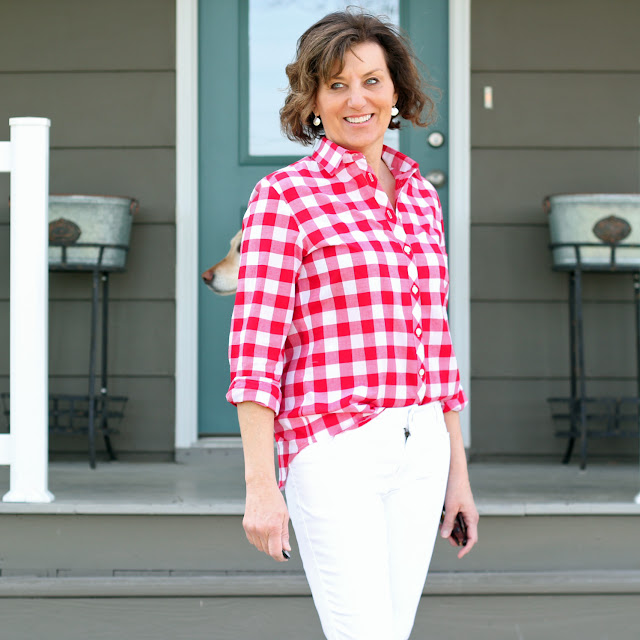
pixel 565 78
pixel 565 119
pixel 104 73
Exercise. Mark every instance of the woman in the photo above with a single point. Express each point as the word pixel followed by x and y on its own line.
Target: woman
pixel 340 343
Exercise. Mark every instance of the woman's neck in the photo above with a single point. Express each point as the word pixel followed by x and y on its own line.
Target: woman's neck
pixel 373 155
pixel 376 164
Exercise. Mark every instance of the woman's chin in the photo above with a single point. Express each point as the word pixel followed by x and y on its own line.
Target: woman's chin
pixel 358 139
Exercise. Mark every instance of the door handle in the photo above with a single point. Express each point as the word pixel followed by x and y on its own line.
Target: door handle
pixel 435 139
pixel 437 178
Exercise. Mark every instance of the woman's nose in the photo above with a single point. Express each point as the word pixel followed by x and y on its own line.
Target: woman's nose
pixel 356 99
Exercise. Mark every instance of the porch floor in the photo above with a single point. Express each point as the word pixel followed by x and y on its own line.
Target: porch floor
pixel 216 487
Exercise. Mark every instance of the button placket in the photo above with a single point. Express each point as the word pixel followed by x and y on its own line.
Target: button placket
pixel 416 309
pixel 412 271
pixel 416 312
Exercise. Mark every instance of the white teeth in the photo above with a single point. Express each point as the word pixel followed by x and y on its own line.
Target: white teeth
pixel 359 120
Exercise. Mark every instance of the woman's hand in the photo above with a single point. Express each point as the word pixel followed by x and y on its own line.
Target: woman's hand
pixel 266 519
pixel 458 498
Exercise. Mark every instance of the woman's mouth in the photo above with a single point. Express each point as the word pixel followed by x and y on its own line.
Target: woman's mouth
pixel 359 119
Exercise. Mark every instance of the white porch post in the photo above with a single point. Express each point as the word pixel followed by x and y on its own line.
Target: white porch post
pixel 186 434
pixel 459 194
pixel 25 449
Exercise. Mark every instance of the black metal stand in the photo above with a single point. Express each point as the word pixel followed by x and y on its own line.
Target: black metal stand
pixel 67 413
pixel 98 406
pixel 582 409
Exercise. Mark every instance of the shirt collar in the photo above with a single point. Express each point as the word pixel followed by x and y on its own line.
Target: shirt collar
pixel 331 156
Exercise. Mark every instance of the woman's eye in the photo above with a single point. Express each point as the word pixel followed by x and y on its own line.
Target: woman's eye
pixel 371 81
pixel 337 85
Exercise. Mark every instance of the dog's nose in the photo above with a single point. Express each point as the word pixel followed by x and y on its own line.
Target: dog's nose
pixel 207 276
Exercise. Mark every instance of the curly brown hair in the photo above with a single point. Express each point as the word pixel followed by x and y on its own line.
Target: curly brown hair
pixel 325 43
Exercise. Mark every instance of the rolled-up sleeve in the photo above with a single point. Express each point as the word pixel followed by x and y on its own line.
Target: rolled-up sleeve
pixel 457 403
pixel 271 256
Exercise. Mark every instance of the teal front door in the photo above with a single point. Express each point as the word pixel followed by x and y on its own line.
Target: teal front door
pixel 243 48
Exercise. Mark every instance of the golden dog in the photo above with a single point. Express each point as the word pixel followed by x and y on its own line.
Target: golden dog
pixel 222 278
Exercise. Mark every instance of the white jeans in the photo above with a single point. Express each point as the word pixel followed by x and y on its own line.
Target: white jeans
pixel 365 507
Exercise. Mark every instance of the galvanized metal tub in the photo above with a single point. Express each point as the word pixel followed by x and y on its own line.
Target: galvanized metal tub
pixel 606 219
pixel 87 231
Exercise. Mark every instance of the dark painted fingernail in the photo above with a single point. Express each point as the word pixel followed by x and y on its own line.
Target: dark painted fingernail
pixel 286 554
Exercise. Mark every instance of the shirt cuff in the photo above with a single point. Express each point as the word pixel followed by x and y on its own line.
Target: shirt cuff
pixel 259 390
pixel 457 403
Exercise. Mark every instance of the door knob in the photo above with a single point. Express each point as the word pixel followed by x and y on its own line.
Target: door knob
pixel 435 139
pixel 437 178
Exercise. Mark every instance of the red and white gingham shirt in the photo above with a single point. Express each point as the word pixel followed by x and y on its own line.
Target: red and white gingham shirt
pixel 341 302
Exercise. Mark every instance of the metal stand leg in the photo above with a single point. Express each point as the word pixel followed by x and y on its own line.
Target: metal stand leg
pixel 104 418
pixel 92 376
pixel 573 404
pixel 636 299
pixel 581 375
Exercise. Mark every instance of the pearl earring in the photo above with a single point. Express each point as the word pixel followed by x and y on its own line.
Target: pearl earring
pixel 394 111
pixel 317 121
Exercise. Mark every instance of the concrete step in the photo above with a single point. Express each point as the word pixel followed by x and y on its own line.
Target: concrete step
pixel 201 616
pixel 120 545
pixel 294 584
pixel 69 573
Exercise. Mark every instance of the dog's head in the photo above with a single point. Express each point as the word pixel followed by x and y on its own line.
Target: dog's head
pixel 222 278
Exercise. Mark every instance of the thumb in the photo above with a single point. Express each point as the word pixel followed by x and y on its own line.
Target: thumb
pixel 447 524
pixel 285 538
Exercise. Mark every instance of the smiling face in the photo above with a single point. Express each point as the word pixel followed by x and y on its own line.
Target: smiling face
pixel 355 104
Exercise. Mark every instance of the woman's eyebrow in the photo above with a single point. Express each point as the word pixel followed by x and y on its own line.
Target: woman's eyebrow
pixel 368 73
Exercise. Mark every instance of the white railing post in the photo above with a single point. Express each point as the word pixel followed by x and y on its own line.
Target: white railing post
pixel 25 448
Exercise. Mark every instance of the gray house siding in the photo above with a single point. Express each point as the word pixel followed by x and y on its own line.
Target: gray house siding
pixel 104 73
pixel 565 78
pixel 566 91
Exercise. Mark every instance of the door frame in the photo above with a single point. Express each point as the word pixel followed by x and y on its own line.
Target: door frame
pixel 187 276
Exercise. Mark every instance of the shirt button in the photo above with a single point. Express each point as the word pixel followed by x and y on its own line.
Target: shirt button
pixel 414 289
pixel 407 249
pixel 418 332
pixel 421 373
pixel 399 216
pixel 390 214
pixel 370 176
